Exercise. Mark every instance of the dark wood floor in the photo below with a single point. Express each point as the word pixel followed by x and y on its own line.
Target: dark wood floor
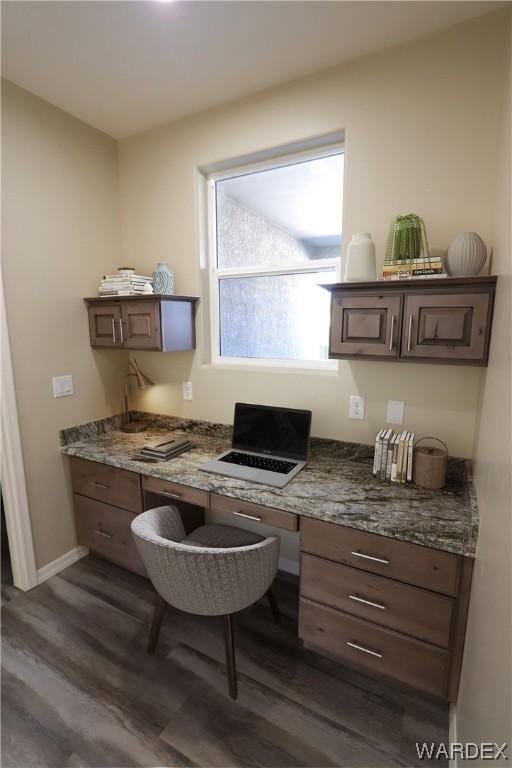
pixel 79 691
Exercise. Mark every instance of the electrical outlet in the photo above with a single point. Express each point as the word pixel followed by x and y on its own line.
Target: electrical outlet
pixel 186 388
pixel 395 412
pixel 63 386
pixel 356 408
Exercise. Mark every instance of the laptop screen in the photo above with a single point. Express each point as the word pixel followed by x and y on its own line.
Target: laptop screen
pixel 276 431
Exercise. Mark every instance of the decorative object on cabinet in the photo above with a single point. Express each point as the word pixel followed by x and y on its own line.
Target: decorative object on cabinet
pixel 143 382
pixel 160 323
pixel 412 268
pixel 125 283
pixel 446 321
pixel 407 239
pixel 163 279
pixel 430 464
pixel 360 259
pixel 466 255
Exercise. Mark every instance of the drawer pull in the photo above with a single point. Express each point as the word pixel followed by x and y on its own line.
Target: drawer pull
pixel 367 602
pixel 98 485
pixel 371 557
pixel 170 495
pixel 364 650
pixel 248 517
pixel 113 331
pixel 391 335
pixel 102 533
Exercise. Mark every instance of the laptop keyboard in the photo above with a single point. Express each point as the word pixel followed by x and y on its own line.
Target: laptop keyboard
pixel 259 462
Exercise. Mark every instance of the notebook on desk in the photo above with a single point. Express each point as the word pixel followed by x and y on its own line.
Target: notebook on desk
pixel 270 445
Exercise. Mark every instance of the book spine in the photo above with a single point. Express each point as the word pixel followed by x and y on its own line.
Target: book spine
pixel 410 458
pixel 384 455
pixel 376 454
pixel 390 457
pixel 394 462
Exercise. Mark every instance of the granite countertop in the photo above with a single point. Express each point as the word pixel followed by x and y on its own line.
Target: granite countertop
pixel 337 485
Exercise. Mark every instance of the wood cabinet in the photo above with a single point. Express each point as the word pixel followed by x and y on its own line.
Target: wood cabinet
pixel 384 605
pixel 160 323
pixel 438 321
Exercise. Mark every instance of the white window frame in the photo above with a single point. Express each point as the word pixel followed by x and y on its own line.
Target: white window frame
pixel 215 275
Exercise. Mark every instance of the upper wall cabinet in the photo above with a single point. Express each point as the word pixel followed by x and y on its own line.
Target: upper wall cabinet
pixel 423 321
pixel 160 323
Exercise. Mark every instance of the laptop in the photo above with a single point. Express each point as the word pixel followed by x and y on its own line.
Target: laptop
pixel 270 445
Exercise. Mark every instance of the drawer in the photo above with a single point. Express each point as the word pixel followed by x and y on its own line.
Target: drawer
pixel 246 509
pixel 410 610
pixel 109 484
pixel 411 563
pixel 374 648
pixel 105 530
pixel 175 491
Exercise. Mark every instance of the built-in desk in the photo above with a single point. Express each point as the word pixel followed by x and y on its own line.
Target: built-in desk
pixel 385 569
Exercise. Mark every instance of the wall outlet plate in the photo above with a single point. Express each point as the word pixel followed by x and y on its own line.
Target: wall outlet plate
pixel 356 407
pixel 395 412
pixel 186 389
pixel 63 386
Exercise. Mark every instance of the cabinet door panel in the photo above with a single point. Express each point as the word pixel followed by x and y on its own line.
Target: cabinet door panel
pixel 365 326
pixel 105 325
pixel 446 327
pixel 141 324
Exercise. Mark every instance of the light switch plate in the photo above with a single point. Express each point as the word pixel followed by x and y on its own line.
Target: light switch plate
pixel 186 388
pixel 356 407
pixel 395 413
pixel 63 386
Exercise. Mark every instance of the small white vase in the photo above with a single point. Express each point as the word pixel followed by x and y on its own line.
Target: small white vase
pixel 360 263
pixel 466 255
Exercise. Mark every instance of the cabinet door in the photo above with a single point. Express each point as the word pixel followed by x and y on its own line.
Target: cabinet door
pixel 141 324
pixel 365 326
pixel 448 327
pixel 105 325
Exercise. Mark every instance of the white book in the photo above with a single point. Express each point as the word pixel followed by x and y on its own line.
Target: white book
pixel 146 278
pixel 400 460
pixel 394 459
pixel 410 457
pixel 376 453
pixel 384 454
pixel 390 455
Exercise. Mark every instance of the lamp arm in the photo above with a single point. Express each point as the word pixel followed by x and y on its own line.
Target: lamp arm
pixel 126 415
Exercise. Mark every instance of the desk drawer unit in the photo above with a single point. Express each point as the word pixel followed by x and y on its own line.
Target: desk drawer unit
pixel 105 530
pixel 410 563
pixel 249 511
pixel 374 648
pixel 416 612
pixel 108 484
pixel 175 491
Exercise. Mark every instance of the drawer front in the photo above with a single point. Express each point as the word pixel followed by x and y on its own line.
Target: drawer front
pixel 109 484
pixel 374 648
pixel 105 530
pixel 410 610
pixel 411 563
pixel 175 491
pixel 246 509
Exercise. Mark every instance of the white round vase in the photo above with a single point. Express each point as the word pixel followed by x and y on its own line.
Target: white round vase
pixel 360 263
pixel 466 255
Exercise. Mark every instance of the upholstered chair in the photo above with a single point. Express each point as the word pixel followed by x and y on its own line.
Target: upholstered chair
pixel 216 570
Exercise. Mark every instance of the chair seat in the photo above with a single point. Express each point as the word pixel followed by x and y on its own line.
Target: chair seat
pixel 221 536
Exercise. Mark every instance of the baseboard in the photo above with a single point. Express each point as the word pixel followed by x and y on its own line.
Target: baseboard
pixel 288 566
pixel 452 733
pixel 51 569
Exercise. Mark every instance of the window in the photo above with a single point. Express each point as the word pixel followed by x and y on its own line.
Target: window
pixel 275 237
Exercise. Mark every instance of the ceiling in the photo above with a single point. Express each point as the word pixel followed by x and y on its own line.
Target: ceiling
pixel 126 66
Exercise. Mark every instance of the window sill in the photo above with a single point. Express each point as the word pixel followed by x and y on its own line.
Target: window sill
pixel 327 368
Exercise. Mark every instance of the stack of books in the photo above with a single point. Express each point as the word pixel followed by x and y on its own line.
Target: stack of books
pixel 165 447
pixel 393 457
pixel 426 267
pixel 123 285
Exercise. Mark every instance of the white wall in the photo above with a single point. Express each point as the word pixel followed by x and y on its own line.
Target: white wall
pixel 422 125
pixel 60 233
pixel 484 710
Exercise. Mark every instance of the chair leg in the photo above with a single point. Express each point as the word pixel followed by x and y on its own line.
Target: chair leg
pixel 230 655
pixel 158 615
pixel 274 607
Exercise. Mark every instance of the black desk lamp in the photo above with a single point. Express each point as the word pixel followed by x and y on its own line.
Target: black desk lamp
pixel 143 382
